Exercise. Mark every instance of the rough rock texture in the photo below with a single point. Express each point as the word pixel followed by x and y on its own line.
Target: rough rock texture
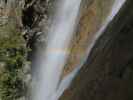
pixel 108 72
pixel 92 16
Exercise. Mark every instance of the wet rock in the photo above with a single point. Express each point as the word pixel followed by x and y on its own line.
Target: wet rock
pixel 92 16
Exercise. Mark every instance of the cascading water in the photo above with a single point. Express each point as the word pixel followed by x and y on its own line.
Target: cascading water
pixel 54 56
pixel 48 86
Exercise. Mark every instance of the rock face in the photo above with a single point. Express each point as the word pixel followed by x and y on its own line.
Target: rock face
pixel 92 16
pixel 108 73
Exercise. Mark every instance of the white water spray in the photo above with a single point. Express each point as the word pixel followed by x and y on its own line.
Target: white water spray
pixel 54 56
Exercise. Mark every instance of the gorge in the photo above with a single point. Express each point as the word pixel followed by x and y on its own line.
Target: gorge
pixel 66 50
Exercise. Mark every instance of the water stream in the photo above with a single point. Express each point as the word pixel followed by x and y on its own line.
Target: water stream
pixel 56 52
pixel 53 59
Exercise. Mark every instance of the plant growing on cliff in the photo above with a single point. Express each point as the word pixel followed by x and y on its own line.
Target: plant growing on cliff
pixel 12 59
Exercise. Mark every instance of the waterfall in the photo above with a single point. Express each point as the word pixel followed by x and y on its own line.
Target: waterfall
pixel 54 56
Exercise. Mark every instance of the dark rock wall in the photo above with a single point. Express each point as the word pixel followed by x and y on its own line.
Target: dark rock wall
pixel 108 72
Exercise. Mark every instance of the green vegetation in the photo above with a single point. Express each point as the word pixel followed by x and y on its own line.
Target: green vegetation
pixel 12 59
